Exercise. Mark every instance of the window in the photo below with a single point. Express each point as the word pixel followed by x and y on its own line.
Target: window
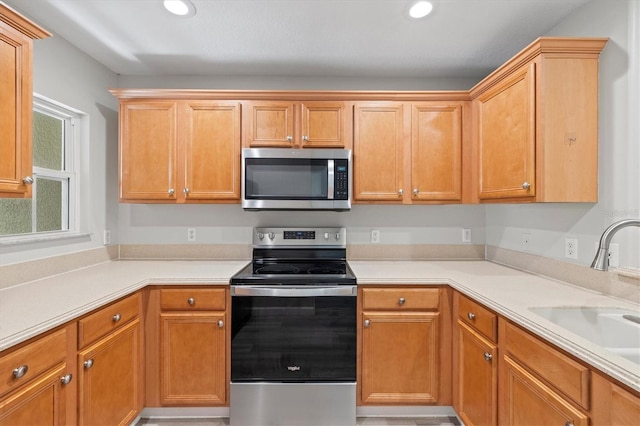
pixel 52 208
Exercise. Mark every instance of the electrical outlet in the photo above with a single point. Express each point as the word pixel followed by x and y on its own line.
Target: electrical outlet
pixel 375 236
pixel 191 234
pixel 526 241
pixel 571 248
pixel 466 235
pixel 106 237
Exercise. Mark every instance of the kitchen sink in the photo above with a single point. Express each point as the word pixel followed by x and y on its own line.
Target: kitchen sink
pixel 617 330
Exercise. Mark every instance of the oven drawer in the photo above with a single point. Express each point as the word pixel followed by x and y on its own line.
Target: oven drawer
pixel 400 298
pixel 190 299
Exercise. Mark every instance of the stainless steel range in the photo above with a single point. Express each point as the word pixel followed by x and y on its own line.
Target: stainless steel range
pixel 293 343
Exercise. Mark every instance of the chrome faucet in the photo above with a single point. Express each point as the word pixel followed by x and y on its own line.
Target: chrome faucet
pixel 601 261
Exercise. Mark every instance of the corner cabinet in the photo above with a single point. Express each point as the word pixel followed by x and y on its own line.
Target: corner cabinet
pixel 306 124
pixel 403 345
pixel 16 102
pixel 536 124
pixel 179 151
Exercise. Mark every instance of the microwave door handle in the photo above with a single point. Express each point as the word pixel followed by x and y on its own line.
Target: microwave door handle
pixel 331 179
pixel 305 291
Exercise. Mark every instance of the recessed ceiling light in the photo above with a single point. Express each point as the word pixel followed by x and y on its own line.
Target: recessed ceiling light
pixel 180 7
pixel 420 9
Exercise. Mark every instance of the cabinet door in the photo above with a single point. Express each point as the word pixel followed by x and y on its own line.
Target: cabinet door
pixel 193 358
pixel 399 358
pixel 148 150
pixel 477 385
pixel 270 124
pixel 324 125
pixel 42 402
pixel 110 377
pixel 506 120
pixel 436 145
pixel 212 151
pixel 378 152
pixel 15 112
pixel 525 400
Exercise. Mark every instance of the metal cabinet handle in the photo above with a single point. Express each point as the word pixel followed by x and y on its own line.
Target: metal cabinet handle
pixel 415 191
pixel 568 424
pixel 171 191
pixel 116 317
pixel 401 301
pixel 471 316
pixel 88 363
pixel 66 379
pixel 186 191
pixel 400 192
pixel 305 138
pixel 27 180
pixel 289 138
pixel 526 185
pixel 220 323
pixel 488 356
pixel 20 371
pixel 191 301
pixel 367 323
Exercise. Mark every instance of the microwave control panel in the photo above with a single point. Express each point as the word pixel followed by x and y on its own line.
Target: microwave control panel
pixel 341 184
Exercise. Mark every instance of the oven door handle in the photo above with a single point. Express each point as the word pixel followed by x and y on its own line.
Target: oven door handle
pixel 282 291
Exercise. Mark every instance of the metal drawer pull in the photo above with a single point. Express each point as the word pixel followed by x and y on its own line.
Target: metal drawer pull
pixel 401 301
pixel 220 323
pixel 171 191
pixel 20 371
pixel 66 379
pixel 471 316
pixel 88 363
pixel 568 424
pixel 191 301
pixel 28 180
pixel 526 185
pixel 488 356
pixel 116 317
pixel 367 323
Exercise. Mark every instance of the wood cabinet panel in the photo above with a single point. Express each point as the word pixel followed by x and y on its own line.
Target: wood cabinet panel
pixel 400 358
pixel 480 318
pixel 525 400
pixel 506 116
pixel 378 152
pixel 270 124
pixel 107 319
pixel 203 299
pixel 16 101
pixel 110 391
pixel 436 152
pixel 325 125
pixel 400 298
pixel 477 386
pixel 193 358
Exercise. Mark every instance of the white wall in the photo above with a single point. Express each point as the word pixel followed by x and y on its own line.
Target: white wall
pixel 619 152
pixel 67 75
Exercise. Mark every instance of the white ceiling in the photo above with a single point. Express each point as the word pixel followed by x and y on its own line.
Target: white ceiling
pixel 350 38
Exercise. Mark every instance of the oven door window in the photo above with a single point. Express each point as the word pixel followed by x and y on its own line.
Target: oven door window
pixel 293 339
pixel 288 179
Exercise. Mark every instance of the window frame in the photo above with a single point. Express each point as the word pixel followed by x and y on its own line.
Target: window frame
pixel 72 133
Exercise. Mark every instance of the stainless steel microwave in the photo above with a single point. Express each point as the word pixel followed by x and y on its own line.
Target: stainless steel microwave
pixel 296 179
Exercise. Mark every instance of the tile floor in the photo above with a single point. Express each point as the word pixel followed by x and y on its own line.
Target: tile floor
pixel 362 421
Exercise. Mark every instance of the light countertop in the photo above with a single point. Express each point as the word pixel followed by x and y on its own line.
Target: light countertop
pixel 29 309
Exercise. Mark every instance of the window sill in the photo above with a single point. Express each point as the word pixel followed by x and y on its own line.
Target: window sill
pixel 41 238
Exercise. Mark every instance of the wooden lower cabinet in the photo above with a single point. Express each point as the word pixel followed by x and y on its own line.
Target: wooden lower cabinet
pixel 110 378
pixel 526 400
pixel 477 378
pixel 42 402
pixel 193 370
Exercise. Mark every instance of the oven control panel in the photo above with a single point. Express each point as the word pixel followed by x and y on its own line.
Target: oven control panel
pixel 308 237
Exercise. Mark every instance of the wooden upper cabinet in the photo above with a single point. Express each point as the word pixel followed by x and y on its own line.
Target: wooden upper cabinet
pixel 16 102
pixel 536 124
pixel 179 151
pixel 506 144
pixel 308 124
pixel 436 152
pixel 378 152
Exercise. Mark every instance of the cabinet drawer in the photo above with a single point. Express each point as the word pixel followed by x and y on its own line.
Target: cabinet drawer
pixel 477 316
pixel 400 298
pixel 32 359
pixel 567 375
pixel 107 319
pixel 201 299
